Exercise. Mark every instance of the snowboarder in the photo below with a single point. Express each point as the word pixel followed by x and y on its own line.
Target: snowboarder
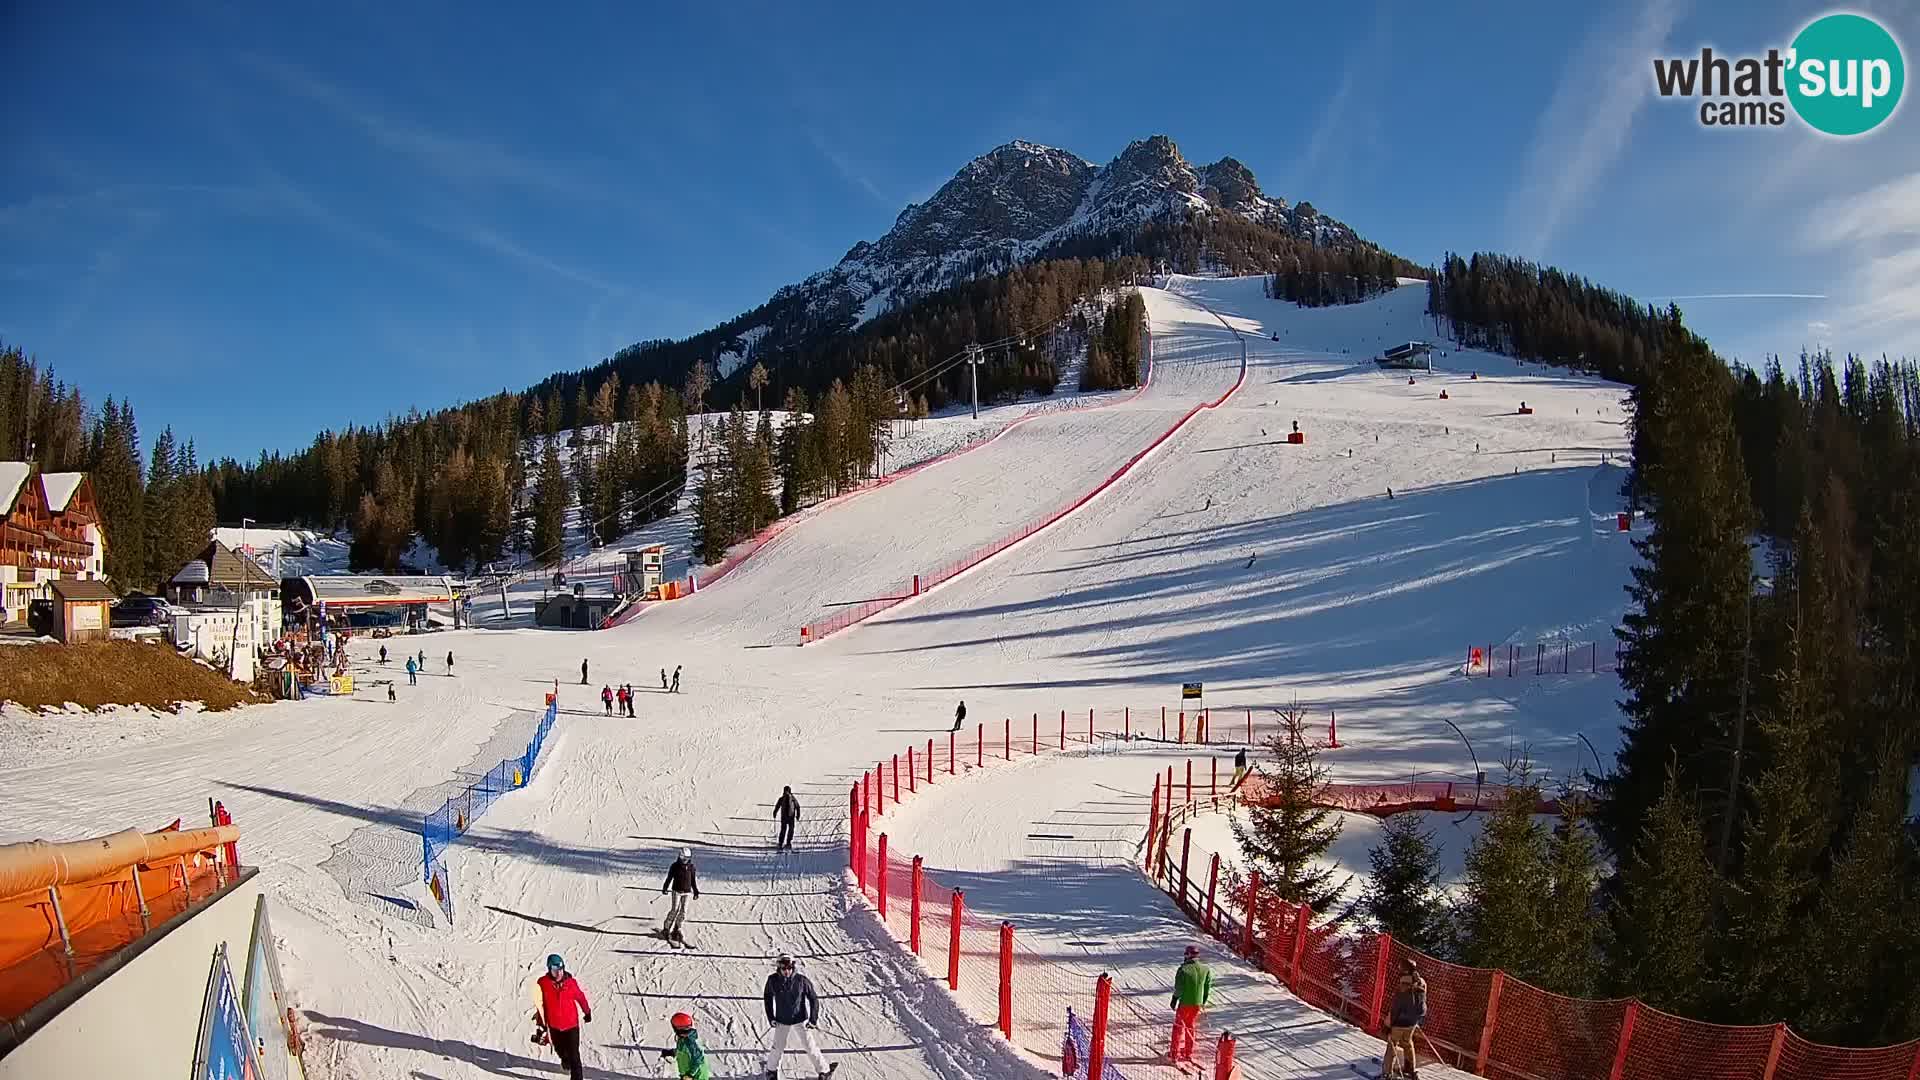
pixel 676 679
pixel 413 673
pixel 449 663
pixel 606 699
pixel 563 1006
pixel 793 1009
pixel 682 881
pixel 583 673
pixel 1192 992
pixel 1408 1013
pixel 787 809
pixel 383 654
pixel 959 715
pixel 689 1059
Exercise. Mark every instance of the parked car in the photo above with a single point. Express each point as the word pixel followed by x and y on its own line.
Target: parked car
pixel 141 611
pixel 40 616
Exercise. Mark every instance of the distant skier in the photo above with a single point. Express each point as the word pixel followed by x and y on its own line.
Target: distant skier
pixel 688 1057
pixel 563 1006
pixel 787 809
pixel 1408 1013
pixel 583 673
pixel 413 673
pixel 620 698
pixel 663 678
pixel 1239 766
pixel 391 696
pixel 1192 992
pixel 959 715
pixel 683 880
pixel 676 679
pixel 423 661
pixel 449 662
pixel 383 654
pixel 793 1009
pixel 606 699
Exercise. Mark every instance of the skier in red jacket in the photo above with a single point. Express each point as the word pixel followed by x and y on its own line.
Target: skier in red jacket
pixel 563 1006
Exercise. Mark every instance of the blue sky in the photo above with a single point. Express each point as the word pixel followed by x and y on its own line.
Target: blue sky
pixel 257 221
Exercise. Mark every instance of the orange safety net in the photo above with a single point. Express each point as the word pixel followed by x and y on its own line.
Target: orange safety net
pixel 102 916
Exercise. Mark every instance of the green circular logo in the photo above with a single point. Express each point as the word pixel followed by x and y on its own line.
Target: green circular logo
pixel 1846 74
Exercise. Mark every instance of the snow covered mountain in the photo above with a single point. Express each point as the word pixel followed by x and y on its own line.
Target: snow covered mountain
pixel 1013 204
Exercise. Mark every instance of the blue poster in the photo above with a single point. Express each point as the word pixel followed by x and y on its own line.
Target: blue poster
pixel 226 1049
pixel 263 998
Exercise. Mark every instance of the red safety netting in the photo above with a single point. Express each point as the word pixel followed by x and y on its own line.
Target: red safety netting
pixel 906 590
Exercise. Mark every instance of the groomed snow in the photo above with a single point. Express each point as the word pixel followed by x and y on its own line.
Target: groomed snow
pixel 1351 601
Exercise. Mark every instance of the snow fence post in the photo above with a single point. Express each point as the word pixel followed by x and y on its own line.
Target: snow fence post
pixel 1189 799
pixel 1223 1067
pixel 1163 723
pixel 1493 1013
pixel 1006 979
pixel 1186 850
pixel 880 788
pixel 1153 817
pixel 1249 727
pixel 914 907
pixel 953 939
pixel 1204 736
pixel 881 885
pixel 979 745
pixel 950 764
pixel 1213 784
pixel 1126 723
pixel 1063 729
pixel 1253 906
pixel 1006 738
pixel 910 772
pixel 1036 734
pixel 1303 915
pixel 1383 947
pixel 853 827
pixel 1626 1039
pixel 929 760
pixel 1213 882
pixel 1183 727
pixel 1089 727
pixel 896 779
pixel 860 858
pixel 1097 1043
pixel 1773 1048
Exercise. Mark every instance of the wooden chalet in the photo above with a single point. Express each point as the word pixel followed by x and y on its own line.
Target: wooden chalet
pixel 50 530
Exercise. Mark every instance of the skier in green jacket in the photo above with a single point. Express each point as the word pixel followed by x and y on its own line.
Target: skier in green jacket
pixel 689 1060
pixel 1192 991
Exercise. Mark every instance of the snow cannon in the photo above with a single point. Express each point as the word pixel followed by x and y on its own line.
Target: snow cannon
pixel 1525 409
pixel 1443 395
pixel 1296 436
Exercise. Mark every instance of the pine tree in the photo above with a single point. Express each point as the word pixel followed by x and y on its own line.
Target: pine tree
pixel 1663 924
pixel 1402 895
pixel 163 512
pixel 1860 943
pixel 1290 828
pixel 114 466
pixel 1570 947
pixel 757 379
pixel 1685 642
pixel 551 500
pixel 1508 886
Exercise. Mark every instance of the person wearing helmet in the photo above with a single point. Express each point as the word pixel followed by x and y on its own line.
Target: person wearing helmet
pixel 682 881
pixel 563 1006
pixel 1408 1013
pixel 793 1009
pixel 1192 991
pixel 689 1059
pixel 787 810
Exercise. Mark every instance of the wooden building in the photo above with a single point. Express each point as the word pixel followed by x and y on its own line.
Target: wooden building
pixel 50 530
pixel 81 610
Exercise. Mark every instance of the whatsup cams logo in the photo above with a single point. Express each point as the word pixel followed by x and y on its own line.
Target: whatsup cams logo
pixel 1842 75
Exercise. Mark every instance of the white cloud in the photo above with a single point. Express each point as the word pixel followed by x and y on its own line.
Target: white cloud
pixel 848 170
pixel 1877 234
pixel 1584 128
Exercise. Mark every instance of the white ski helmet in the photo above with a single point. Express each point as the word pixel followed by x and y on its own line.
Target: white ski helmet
pixel 686 853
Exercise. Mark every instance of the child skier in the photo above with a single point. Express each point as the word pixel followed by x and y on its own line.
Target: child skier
pixel 606 699
pixel 689 1060
pixel 1192 992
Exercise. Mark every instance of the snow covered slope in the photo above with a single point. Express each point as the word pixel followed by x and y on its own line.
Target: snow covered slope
pixel 1350 600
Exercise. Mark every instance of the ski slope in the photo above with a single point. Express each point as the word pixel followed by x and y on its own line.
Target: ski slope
pixel 1270 572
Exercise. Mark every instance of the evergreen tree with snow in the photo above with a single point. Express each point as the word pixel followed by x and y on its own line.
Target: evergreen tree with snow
pixel 551 499
pixel 1402 894
pixel 1289 829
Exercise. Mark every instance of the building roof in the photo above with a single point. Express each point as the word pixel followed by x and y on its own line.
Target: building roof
pixel 13 476
pixel 67 589
pixel 353 590
pixel 60 487
pixel 221 565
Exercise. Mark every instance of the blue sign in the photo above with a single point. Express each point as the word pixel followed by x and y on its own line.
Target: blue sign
pixel 226 1049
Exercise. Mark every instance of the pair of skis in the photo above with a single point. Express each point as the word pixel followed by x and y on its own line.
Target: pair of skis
pixel 678 941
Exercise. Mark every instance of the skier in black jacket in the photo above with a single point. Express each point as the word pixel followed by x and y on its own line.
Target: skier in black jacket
pixel 787 809
pixel 959 716
pixel 793 1009
pixel 682 880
